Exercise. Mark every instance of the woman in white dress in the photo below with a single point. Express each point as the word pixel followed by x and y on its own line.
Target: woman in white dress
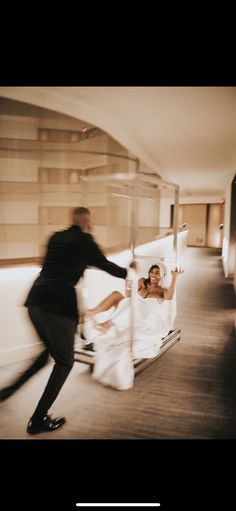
pixel 150 314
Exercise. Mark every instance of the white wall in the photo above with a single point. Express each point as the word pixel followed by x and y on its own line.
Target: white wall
pixel 200 199
pixel 19 170
pixel 226 233
pixel 165 212
pixel 18 212
pixel 18 340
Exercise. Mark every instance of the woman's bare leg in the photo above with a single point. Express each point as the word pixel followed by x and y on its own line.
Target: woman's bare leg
pixel 110 301
pixel 104 326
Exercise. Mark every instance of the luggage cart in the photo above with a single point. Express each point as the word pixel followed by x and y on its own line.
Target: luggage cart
pixel 132 179
pixel 88 357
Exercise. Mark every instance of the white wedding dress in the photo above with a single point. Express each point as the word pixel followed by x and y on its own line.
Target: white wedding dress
pixel 115 352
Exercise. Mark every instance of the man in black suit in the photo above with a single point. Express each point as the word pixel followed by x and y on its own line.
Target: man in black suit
pixel 52 307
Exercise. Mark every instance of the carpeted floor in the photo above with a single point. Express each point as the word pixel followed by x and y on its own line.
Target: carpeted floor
pixel 189 393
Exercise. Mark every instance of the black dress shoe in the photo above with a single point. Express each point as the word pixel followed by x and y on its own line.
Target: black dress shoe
pixel 45 424
pixel 89 347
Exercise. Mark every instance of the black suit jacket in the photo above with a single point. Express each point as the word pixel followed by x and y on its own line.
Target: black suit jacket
pixel 68 254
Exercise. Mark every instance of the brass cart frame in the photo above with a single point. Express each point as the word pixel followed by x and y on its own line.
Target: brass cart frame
pixel 153 180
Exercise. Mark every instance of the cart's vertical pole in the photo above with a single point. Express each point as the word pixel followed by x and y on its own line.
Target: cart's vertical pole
pixel 134 232
pixel 134 211
pixel 175 225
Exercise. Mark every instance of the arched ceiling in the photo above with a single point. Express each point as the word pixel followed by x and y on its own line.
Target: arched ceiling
pixel 186 134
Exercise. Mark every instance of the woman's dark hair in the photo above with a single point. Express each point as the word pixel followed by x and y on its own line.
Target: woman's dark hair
pixel 147 281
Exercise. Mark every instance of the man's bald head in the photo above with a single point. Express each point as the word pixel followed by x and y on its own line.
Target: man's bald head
pixel 82 217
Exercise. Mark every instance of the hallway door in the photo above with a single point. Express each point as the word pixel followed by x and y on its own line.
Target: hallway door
pixel 195 217
pixel 215 219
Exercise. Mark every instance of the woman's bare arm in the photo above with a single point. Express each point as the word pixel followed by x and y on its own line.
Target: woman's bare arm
pixel 141 284
pixel 169 292
pixel 142 289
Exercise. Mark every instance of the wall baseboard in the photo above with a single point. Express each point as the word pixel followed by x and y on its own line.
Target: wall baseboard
pixel 13 355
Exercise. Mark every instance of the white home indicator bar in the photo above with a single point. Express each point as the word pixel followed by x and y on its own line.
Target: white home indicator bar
pixel 114 504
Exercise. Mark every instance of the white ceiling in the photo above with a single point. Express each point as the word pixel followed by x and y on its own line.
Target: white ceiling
pixel 186 134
